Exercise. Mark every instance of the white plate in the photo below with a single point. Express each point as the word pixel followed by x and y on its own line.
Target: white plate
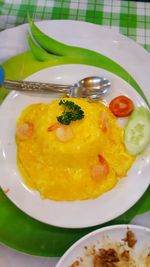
pixel 98 239
pixel 67 214
pixel 111 204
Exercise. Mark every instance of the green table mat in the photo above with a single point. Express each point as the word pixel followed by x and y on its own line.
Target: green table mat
pixel 23 233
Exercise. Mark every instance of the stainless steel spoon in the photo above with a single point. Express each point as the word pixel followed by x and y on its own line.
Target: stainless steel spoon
pixel 90 87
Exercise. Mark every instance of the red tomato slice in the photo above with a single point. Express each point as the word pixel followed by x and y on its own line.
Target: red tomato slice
pixel 121 106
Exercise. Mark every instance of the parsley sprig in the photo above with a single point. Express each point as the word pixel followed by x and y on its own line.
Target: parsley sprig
pixel 72 112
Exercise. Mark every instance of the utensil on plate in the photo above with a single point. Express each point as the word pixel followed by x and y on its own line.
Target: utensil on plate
pixel 91 87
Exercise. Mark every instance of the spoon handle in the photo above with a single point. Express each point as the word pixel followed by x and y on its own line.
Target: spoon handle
pixel 35 86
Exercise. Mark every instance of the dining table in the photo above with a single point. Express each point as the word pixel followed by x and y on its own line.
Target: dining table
pixel 130 19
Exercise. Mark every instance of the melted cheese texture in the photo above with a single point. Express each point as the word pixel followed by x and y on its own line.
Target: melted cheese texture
pixel 62 170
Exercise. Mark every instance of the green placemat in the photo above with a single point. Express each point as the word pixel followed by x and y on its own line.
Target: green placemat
pixel 18 230
pixel 23 233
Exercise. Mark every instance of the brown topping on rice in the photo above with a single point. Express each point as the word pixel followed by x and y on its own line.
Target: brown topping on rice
pixel 130 239
pixel 125 255
pixel 147 262
pixel 106 258
pixel 75 264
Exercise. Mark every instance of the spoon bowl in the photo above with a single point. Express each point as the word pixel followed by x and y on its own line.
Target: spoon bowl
pixel 91 87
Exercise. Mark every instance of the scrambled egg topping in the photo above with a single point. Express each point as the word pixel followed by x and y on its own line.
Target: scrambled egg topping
pixel 71 162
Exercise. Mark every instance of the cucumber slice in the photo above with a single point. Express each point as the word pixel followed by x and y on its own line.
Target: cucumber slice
pixel 137 131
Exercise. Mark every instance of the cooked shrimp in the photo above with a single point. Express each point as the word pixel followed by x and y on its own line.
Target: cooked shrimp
pixel 64 133
pixel 24 131
pixel 104 122
pixel 53 127
pixel 100 170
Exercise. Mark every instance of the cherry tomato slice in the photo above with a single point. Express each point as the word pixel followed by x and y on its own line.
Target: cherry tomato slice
pixel 121 106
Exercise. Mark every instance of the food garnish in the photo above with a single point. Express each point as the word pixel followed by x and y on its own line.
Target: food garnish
pixel 121 106
pixel 137 131
pixel 72 112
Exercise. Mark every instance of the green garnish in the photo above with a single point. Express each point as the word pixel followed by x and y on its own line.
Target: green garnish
pixel 72 112
pixel 137 131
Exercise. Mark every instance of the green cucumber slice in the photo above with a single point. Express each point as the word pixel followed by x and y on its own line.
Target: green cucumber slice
pixel 137 131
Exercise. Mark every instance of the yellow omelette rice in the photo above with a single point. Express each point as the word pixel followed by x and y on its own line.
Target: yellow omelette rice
pixel 78 161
